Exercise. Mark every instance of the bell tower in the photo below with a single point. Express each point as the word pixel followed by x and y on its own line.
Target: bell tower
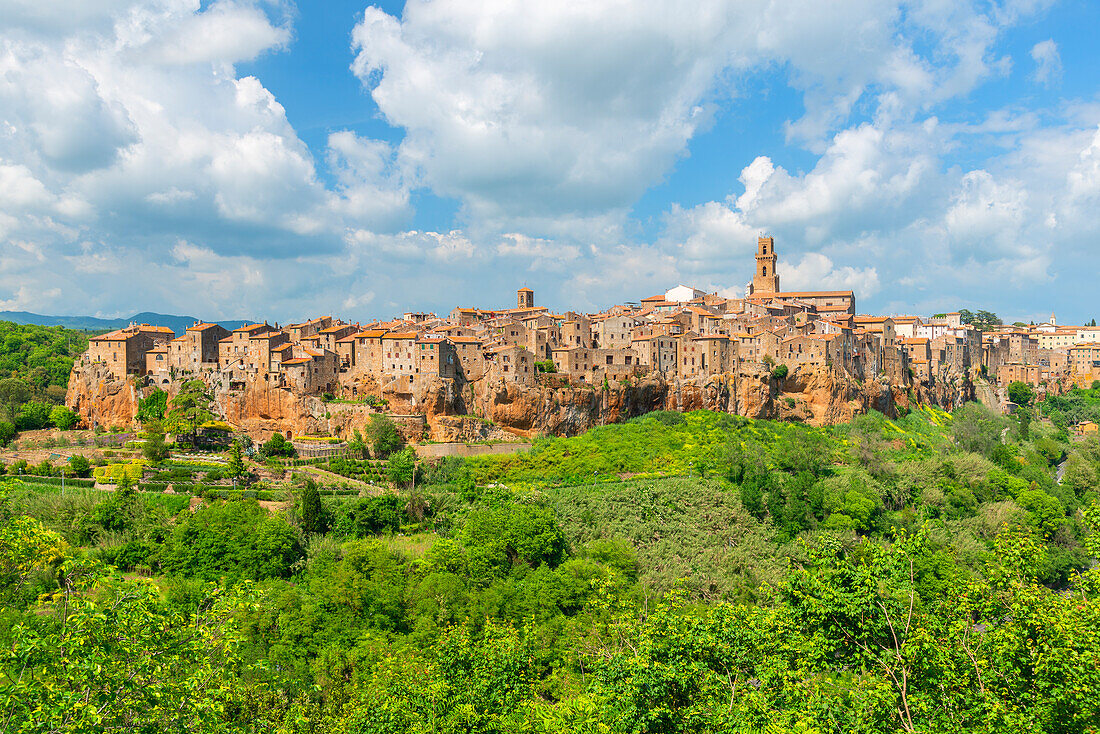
pixel 765 280
pixel 525 298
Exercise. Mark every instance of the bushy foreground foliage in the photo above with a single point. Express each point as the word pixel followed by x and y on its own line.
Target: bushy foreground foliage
pixel 678 573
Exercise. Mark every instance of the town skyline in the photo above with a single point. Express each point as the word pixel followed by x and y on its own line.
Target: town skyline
pixel 427 364
pixel 236 158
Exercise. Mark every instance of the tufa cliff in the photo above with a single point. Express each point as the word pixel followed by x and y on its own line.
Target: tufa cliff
pixel 443 409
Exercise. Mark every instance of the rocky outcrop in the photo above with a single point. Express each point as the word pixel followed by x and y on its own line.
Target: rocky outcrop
pixel 100 399
pixel 467 428
pixel 442 409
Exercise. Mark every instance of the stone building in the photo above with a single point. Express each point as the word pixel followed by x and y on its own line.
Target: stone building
pixel 235 346
pixel 572 360
pixel 124 350
pixel 806 350
pixel 1084 361
pixel 314 372
pixel 399 348
pixel 510 363
pixel 368 353
pixel 613 364
pixel 576 331
pixel 656 352
pixel 470 355
pixel 297 332
pixel 197 349
pixel 613 332
pixel 327 337
pixel 436 357
pixel 156 364
pixel 264 349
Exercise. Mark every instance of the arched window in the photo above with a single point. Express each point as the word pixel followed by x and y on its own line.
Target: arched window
pixel 765 249
pixel 765 273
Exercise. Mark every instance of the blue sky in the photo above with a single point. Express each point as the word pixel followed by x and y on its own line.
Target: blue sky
pixel 268 159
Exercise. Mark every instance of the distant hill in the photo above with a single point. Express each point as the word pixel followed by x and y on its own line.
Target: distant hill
pixel 178 324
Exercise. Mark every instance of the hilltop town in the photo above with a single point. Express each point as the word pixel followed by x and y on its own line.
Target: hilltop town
pixel 684 336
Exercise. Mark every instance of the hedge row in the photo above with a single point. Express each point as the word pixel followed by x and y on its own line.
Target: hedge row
pixel 69 481
pixel 196 487
pixel 112 473
pixel 307 462
pixel 265 495
pixel 194 465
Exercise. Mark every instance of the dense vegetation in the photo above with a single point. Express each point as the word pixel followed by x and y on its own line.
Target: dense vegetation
pixel 677 573
pixel 35 362
pixel 1075 406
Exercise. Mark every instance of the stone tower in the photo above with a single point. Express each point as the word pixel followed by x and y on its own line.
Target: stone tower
pixel 766 280
pixel 525 298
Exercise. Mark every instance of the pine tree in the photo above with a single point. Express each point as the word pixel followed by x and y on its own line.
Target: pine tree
pixel 313 520
pixel 235 467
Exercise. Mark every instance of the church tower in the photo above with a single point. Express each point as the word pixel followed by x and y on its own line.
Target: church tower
pixel 525 298
pixel 765 280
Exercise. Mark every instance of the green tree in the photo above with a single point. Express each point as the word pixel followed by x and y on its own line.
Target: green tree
pixel 976 428
pixel 233 541
pixel 235 466
pixel 79 466
pixel 382 435
pixel 1080 474
pixel 277 446
pixel 7 433
pixel 982 320
pixel 118 658
pixel 401 467
pixel 1023 421
pixel 154 449
pixel 33 416
pixel 312 513
pixel 1020 393
pixel 357 447
pixel 13 393
pixel 63 418
pixel 190 409
pixel 152 407
pixel 1046 512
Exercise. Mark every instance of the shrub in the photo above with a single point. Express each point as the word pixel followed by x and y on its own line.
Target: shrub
pixel 370 515
pixel 401 467
pixel 382 436
pixel 33 415
pixel 154 448
pixel 1020 393
pixel 7 433
pixel 232 541
pixel 277 445
pixel 63 418
pixel 80 466
pixel 780 372
pixel 153 407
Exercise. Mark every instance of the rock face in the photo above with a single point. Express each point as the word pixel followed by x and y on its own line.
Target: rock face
pixel 100 399
pixel 443 409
